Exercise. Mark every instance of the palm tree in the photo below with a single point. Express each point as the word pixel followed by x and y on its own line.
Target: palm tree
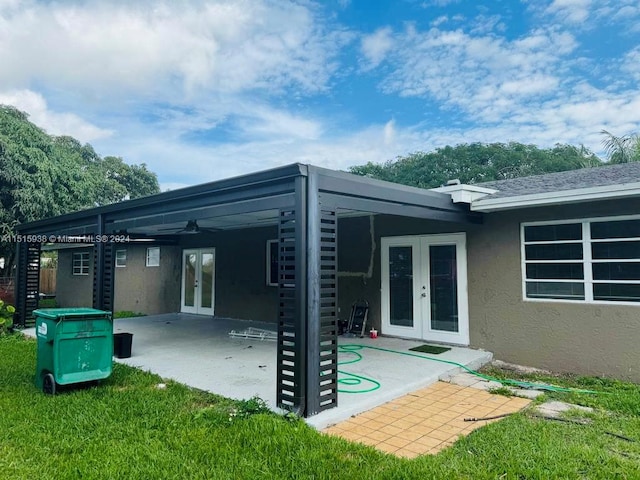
pixel 622 149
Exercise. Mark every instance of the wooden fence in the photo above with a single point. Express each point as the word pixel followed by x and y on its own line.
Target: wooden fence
pixel 48 281
pixel 7 290
pixel 47 285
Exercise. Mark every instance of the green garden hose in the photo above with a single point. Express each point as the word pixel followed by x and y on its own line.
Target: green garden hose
pixel 354 380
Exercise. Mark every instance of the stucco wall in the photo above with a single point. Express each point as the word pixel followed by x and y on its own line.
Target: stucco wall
pixel 570 337
pixel 73 290
pixel 138 288
pixel 356 252
pixel 149 290
pixel 241 289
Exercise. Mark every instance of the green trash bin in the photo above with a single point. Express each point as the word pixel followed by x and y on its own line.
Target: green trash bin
pixel 74 345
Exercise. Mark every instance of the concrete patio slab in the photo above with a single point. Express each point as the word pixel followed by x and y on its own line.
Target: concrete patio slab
pixel 399 371
pixel 198 351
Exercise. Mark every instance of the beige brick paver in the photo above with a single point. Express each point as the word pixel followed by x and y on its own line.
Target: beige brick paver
pixel 425 421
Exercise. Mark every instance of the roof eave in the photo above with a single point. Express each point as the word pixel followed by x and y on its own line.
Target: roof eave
pixel 89 214
pixel 608 192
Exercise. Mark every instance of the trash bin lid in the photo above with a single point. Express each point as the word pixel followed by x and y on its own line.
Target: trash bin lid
pixel 70 313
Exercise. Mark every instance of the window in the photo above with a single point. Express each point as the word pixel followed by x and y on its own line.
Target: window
pixel 153 257
pixel 595 260
pixel 272 263
pixel 121 258
pixel 81 263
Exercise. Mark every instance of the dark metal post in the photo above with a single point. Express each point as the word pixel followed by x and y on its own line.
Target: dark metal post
pixel 292 293
pixel 98 265
pixel 20 287
pixel 103 266
pixel 312 313
pixel 322 301
pixel 27 288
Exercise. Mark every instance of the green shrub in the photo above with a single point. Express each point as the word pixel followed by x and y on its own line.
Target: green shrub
pixel 128 314
pixel 6 317
pixel 47 303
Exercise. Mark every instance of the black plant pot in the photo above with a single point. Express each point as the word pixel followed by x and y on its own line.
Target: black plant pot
pixel 122 344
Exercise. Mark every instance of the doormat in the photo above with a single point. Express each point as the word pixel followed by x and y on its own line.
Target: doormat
pixel 432 349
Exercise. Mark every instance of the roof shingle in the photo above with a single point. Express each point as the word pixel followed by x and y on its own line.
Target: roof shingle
pixel 570 180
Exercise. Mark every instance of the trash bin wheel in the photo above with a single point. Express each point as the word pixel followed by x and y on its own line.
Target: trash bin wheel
pixel 49 384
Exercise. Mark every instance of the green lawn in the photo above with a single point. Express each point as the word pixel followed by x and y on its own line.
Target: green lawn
pixel 128 428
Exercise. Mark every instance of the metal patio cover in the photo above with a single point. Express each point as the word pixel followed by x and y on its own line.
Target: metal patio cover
pixel 304 201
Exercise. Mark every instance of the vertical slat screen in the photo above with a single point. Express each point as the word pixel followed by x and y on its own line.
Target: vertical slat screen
pixel 28 282
pixel 103 277
pixel 328 309
pixel 291 361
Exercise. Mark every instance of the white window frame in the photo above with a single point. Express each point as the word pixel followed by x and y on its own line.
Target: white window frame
pixel 586 261
pixel 268 262
pixel 82 267
pixel 120 261
pixel 150 261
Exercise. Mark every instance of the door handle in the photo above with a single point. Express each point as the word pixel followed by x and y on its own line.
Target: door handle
pixel 424 295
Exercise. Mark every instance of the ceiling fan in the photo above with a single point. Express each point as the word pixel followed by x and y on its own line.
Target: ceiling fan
pixel 190 228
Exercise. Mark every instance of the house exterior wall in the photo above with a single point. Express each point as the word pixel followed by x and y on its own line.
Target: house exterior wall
pixel 73 290
pixel 359 258
pixel 241 289
pixel 138 288
pixel 149 290
pixel 598 339
pixel 593 339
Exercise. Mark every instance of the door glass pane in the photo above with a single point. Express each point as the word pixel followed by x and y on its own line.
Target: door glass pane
pixel 401 286
pixel 444 288
pixel 189 279
pixel 207 280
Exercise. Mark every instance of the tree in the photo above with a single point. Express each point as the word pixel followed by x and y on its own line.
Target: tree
pixel 623 149
pixel 478 162
pixel 43 176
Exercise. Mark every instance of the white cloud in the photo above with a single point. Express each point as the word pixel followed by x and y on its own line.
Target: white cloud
pixel 263 121
pixel 202 90
pixel 438 3
pixel 483 24
pixel 573 11
pixel 389 132
pixel 484 76
pixel 186 68
pixel 589 14
pixel 631 64
pixel 54 123
pixel 376 46
pixel 148 47
pixel 439 21
pixel 183 163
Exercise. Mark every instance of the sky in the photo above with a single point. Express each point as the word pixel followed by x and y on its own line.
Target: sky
pixel 203 90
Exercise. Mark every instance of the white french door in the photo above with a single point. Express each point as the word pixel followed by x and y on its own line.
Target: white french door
pixel 198 279
pixel 424 287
